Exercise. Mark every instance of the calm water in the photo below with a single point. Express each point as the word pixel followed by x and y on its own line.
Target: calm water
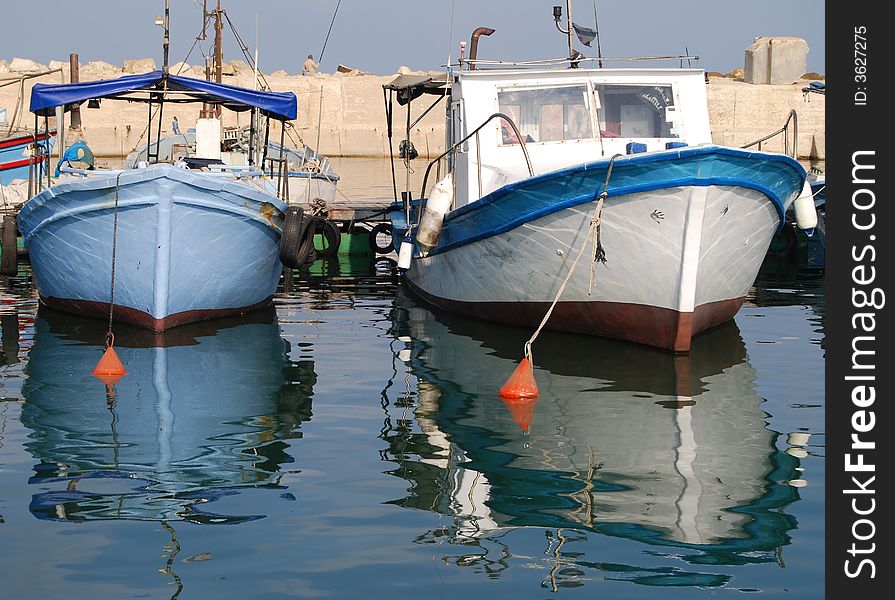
pixel 351 443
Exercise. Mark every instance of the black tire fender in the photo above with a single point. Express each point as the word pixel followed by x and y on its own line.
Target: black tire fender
pixel 332 237
pixel 381 228
pixel 297 241
pixel 290 239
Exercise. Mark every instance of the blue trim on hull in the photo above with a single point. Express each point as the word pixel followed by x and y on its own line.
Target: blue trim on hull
pixel 778 177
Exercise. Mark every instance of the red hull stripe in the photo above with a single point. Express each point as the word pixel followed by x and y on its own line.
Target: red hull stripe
pixel 22 140
pixel 18 163
pixel 650 325
pixel 142 319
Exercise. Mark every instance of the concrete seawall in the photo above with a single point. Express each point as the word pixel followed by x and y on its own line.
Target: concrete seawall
pixel 343 114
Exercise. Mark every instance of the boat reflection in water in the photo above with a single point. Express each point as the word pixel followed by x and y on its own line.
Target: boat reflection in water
pixel 204 412
pixel 624 441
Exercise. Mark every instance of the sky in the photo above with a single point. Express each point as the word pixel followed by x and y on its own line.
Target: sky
pixel 379 36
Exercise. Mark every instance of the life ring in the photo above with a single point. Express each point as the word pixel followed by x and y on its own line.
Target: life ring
pixel 375 232
pixel 331 235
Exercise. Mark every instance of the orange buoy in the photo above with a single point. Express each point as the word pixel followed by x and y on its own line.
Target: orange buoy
pixel 522 410
pixel 521 383
pixel 109 368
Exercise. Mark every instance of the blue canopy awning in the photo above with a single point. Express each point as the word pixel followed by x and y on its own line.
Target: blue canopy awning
pixel 46 97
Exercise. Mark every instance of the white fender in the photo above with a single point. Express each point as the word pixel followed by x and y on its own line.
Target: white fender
pixel 806 214
pixel 405 253
pixel 438 203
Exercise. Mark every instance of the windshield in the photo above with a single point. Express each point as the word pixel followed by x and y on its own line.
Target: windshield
pixel 635 111
pixel 555 114
pixel 547 114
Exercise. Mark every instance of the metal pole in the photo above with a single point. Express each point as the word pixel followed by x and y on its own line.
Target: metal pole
pixel 60 133
pixel 75 78
pixel 597 29
pixel 166 39
pixel 569 26
pixel 218 38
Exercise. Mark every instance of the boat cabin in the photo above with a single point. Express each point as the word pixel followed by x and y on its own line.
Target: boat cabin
pixel 566 117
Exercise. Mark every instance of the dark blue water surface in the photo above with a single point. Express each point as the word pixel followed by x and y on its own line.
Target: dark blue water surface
pixel 350 443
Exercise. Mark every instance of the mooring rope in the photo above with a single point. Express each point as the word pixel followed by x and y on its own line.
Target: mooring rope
pixel 110 337
pixel 598 255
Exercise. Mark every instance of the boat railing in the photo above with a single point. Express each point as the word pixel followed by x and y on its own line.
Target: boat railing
pixel 475 133
pixel 476 63
pixel 279 165
pixel 793 120
pixel 238 171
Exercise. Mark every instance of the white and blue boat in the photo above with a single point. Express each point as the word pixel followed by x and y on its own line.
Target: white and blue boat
pixel 159 245
pixel 544 164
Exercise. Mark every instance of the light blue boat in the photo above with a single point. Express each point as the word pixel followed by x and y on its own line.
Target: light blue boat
pixel 159 245
pixel 190 245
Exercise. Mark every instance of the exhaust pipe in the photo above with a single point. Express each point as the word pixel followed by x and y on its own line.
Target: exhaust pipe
pixel 474 43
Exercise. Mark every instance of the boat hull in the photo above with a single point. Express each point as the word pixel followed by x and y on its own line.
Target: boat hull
pixel 187 246
pixel 15 155
pixel 681 253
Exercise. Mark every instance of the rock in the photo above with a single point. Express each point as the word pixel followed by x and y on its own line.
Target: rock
pixel 26 65
pixel 240 67
pixel 350 71
pixel 736 74
pixel 279 73
pixel 402 70
pixel 228 69
pixel 180 68
pixel 812 76
pixel 4 66
pixel 776 60
pixel 139 65
pixel 58 64
pixel 101 67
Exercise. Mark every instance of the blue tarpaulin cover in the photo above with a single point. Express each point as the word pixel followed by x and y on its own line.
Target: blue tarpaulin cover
pixel 46 97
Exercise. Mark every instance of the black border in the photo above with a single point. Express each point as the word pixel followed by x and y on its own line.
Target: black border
pixel 851 128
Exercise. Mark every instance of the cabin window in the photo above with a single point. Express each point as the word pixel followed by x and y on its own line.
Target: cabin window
pixel 552 114
pixel 635 111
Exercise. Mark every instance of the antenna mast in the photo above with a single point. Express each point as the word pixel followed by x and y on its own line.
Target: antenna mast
pixel 166 38
pixel 569 26
pixel 218 38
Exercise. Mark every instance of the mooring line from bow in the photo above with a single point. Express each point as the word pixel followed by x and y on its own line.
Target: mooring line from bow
pixel 109 369
pixel 521 383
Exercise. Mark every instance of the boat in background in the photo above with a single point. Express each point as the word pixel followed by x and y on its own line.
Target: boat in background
pixel 806 249
pixel 544 165
pixel 159 245
pixel 18 156
pixel 311 177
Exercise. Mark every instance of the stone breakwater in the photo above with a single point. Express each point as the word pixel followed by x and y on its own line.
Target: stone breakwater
pixel 343 114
